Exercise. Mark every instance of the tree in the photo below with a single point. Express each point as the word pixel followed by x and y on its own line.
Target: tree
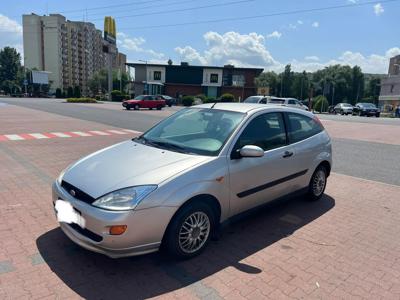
pixel 373 88
pixel 169 62
pixel 10 65
pixel 58 93
pixel 77 92
pixel 357 87
pixel 286 81
pixel 70 92
pixel 270 80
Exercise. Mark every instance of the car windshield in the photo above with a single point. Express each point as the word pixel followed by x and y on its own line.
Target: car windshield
pixel 194 130
pixel 368 105
pixel 346 105
pixel 139 98
pixel 252 99
pixel 167 97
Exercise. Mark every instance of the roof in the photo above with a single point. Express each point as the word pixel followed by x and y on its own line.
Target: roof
pixel 251 107
pixel 258 70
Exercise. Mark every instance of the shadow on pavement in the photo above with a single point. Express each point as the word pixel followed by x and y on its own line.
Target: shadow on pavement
pixel 94 276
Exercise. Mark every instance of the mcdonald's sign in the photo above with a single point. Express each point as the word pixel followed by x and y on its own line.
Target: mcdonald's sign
pixel 110 30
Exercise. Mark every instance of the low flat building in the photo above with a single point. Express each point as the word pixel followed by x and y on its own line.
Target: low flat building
pixel 390 86
pixel 184 79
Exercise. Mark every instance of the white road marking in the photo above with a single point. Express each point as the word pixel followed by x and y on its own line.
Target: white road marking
pixel 99 132
pixel 60 134
pixel 38 136
pixel 117 131
pixel 14 137
pixel 132 131
pixel 80 133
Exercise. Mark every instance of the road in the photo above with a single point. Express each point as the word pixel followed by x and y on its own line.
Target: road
pixel 363 159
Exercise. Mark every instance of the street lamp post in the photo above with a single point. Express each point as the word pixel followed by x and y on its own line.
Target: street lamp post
pixel 146 84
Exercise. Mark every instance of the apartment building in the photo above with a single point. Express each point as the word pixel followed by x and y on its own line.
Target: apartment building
pixel 71 51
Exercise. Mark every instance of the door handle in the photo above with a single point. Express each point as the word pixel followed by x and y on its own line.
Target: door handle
pixel 287 154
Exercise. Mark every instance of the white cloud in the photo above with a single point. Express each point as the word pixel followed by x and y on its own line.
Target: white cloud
pixel 274 35
pixel 315 24
pixel 352 1
pixel 378 9
pixel 312 58
pixel 300 22
pixel 249 50
pixel 10 33
pixel 135 44
pixel 230 48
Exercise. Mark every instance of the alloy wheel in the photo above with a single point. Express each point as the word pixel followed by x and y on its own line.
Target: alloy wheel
pixel 194 232
pixel 319 182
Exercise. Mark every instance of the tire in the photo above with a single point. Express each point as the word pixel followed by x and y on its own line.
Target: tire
pixel 159 107
pixel 179 226
pixel 377 115
pixel 128 107
pixel 342 112
pixel 150 108
pixel 169 105
pixel 316 188
pixel 360 114
pixel 136 107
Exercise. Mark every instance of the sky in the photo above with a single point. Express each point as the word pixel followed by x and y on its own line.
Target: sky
pixel 308 34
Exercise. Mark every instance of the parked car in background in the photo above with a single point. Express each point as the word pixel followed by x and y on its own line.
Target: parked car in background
pixel 174 185
pixel 257 99
pixel 343 109
pixel 169 101
pixel 291 102
pixel 366 109
pixel 144 101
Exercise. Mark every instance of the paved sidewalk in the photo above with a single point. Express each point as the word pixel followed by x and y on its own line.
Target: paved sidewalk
pixel 345 246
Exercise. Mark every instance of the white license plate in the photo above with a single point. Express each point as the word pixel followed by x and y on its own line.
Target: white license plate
pixel 66 213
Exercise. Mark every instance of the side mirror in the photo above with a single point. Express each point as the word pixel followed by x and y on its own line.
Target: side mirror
pixel 251 151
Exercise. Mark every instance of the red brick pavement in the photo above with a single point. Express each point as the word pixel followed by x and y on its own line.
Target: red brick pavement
pixel 343 247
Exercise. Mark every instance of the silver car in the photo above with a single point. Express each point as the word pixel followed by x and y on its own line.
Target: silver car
pixel 178 182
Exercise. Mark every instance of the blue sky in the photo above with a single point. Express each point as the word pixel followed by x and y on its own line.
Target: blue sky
pixel 365 35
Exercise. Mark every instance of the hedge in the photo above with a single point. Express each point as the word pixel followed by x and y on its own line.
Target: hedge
pixel 81 100
pixel 187 100
pixel 227 98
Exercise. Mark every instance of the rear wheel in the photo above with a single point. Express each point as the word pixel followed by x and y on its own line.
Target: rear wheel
pixel 342 112
pixel 190 230
pixel 136 107
pixel 159 107
pixel 317 184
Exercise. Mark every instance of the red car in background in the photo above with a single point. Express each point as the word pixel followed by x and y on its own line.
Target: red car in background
pixel 144 101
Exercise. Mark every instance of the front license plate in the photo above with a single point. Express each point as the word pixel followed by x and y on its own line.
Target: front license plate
pixel 67 213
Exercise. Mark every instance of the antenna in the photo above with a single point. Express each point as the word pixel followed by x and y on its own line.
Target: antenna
pixel 213 105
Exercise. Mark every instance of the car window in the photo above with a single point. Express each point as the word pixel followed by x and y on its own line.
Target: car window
pixel 263 101
pixel 277 101
pixel 291 102
pixel 252 99
pixel 302 127
pixel 266 131
pixel 139 98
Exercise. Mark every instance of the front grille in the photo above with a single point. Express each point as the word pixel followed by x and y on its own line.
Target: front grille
pixel 77 194
pixel 87 233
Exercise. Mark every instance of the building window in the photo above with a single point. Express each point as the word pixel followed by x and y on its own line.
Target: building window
pixel 213 78
pixel 391 88
pixel 157 75
pixel 238 80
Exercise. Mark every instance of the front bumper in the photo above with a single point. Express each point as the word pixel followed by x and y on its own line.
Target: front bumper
pixel 145 228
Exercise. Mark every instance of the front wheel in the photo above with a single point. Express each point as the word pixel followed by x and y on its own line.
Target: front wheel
pixel 128 107
pixel 317 184
pixel 190 230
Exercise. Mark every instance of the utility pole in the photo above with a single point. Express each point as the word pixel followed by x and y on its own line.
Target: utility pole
pixel 110 83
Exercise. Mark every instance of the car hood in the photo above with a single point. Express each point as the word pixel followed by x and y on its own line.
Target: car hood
pixel 127 164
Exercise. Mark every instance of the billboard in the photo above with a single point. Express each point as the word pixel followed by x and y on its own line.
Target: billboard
pixel 110 30
pixel 40 77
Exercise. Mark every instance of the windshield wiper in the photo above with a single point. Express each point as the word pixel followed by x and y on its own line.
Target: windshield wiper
pixel 171 146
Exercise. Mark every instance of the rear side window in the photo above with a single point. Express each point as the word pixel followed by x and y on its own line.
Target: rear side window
pixel 266 131
pixel 302 127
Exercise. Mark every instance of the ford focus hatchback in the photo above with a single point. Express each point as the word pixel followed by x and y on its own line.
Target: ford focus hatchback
pixel 175 184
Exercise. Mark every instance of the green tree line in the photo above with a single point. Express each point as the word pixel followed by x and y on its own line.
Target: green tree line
pixel 338 83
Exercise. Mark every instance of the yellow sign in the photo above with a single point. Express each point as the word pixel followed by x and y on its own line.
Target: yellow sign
pixel 264 91
pixel 110 30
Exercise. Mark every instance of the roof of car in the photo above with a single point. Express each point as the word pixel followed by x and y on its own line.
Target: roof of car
pixel 247 107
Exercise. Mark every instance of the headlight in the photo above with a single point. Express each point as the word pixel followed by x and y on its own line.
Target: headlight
pixel 124 199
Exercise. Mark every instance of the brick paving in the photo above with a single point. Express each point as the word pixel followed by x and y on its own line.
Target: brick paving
pixel 345 246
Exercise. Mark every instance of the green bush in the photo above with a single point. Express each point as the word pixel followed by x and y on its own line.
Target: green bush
pixel 187 100
pixel 227 98
pixel 321 104
pixel 118 96
pixel 77 92
pixel 81 100
pixel 58 93
pixel 202 97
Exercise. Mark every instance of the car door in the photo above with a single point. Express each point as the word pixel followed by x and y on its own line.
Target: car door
pixel 149 102
pixel 257 180
pixel 303 136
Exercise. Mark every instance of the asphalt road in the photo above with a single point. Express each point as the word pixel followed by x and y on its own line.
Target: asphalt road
pixel 357 119
pixel 368 160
